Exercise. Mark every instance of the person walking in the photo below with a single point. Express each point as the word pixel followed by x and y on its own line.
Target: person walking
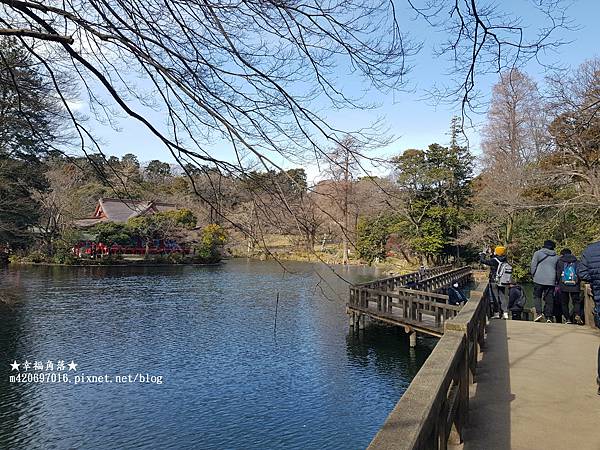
pixel 589 270
pixel 498 293
pixel 543 270
pixel 569 286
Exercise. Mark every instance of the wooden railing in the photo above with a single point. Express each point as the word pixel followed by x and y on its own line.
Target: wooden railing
pixel 425 297
pixel 443 280
pixel 414 303
pixel 392 283
pixel 434 409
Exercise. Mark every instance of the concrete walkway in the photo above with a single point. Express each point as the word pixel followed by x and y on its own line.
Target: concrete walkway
pixel 536 389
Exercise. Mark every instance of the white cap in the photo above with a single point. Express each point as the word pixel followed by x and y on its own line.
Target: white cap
pixel 455 285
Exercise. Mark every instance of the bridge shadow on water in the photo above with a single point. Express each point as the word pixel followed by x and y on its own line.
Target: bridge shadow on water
pixel 491 396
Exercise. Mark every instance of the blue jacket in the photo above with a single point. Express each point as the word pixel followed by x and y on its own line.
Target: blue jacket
pixel 589 270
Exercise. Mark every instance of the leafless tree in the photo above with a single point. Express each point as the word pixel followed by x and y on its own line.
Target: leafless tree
pixel 343 168
pixel 514 137
pixel 575 100
pixel 255 75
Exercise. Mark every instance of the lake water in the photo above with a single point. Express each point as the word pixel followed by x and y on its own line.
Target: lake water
pixel 231 376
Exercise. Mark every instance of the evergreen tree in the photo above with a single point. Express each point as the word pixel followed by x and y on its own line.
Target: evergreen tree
pixel 32 126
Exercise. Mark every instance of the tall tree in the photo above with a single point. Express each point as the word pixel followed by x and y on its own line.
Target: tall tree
pixel 575 162
pixel 343 166
pixel 434 185
pixel 514 138
pixel 32 125
pixel 257 76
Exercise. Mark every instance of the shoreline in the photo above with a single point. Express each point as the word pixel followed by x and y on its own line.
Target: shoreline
pixel 133 264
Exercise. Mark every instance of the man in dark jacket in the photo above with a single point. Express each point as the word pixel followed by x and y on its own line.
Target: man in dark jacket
pixel 569 286
pixel 543 270
pixel 589 270
pixel 498 294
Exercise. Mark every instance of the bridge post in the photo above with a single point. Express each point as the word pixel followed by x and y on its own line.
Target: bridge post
pixel 412 339
pixel 361 321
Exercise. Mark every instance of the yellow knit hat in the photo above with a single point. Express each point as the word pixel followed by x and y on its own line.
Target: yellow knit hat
pixel 500 250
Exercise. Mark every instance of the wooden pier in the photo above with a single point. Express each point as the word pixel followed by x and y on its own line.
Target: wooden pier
pixel 415 301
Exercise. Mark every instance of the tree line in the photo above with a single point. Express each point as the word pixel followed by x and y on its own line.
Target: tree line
pixel 536 177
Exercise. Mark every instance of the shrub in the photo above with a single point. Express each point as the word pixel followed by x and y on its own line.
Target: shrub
pixel 213 238
pixel 112 233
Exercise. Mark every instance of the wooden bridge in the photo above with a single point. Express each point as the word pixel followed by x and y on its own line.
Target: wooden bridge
pixel 501 385
pixel 416 301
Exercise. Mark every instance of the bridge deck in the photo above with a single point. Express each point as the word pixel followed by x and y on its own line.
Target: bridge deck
pixel 535 389
pixel 397 317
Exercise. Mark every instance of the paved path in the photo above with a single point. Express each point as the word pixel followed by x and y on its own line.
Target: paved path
pixel 536 389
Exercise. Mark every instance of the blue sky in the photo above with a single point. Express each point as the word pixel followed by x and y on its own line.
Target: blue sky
pixel 413 118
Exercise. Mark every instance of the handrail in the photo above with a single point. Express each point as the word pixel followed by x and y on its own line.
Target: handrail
pixel 434 409
pixel 398 280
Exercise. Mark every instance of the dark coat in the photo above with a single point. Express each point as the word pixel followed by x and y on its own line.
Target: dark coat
pixel 493 263
pixel 589 270
pixel 560 266
pixel 514 296
pixel 455 296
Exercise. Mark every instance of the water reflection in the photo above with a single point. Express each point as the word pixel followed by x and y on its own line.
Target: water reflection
pixel 231 379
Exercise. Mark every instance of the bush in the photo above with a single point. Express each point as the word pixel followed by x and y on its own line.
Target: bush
pixel 372 236
pixel 64 258
pixel 213 238
pixel 112 233
pixel 176 258
pixel 36 256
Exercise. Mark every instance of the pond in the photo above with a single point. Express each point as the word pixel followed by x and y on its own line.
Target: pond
pixel 242 355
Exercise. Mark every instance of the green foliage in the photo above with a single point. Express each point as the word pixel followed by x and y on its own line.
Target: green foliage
pixel 213 238
pixel 290 182
pixel 372 236
pixel 430 240
pixel 436 187
pixel 19 210
pixel 36 256
pixel 112 233
pixel 63 246
pixel 158 170
pixel 183 218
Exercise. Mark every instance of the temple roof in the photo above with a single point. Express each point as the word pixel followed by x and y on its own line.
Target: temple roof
pixel 120 210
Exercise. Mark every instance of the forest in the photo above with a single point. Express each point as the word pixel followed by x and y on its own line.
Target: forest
pixel 535 175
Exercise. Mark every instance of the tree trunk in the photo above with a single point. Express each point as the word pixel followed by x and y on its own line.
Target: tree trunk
pixel 345 210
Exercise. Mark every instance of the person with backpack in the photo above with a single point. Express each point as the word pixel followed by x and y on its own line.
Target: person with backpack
pixel 589 270
pixel 499 280
pixel 569 286
pixel 516 300
pixel 543 270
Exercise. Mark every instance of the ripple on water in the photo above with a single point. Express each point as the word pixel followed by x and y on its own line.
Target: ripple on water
pixel 230 380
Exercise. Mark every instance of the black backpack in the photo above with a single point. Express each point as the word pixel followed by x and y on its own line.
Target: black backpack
pixel 522 300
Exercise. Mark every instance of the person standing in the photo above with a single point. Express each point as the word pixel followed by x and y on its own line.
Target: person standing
pixel 543 270
pixel 569 286
pixel 497 293
pixel 589 270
